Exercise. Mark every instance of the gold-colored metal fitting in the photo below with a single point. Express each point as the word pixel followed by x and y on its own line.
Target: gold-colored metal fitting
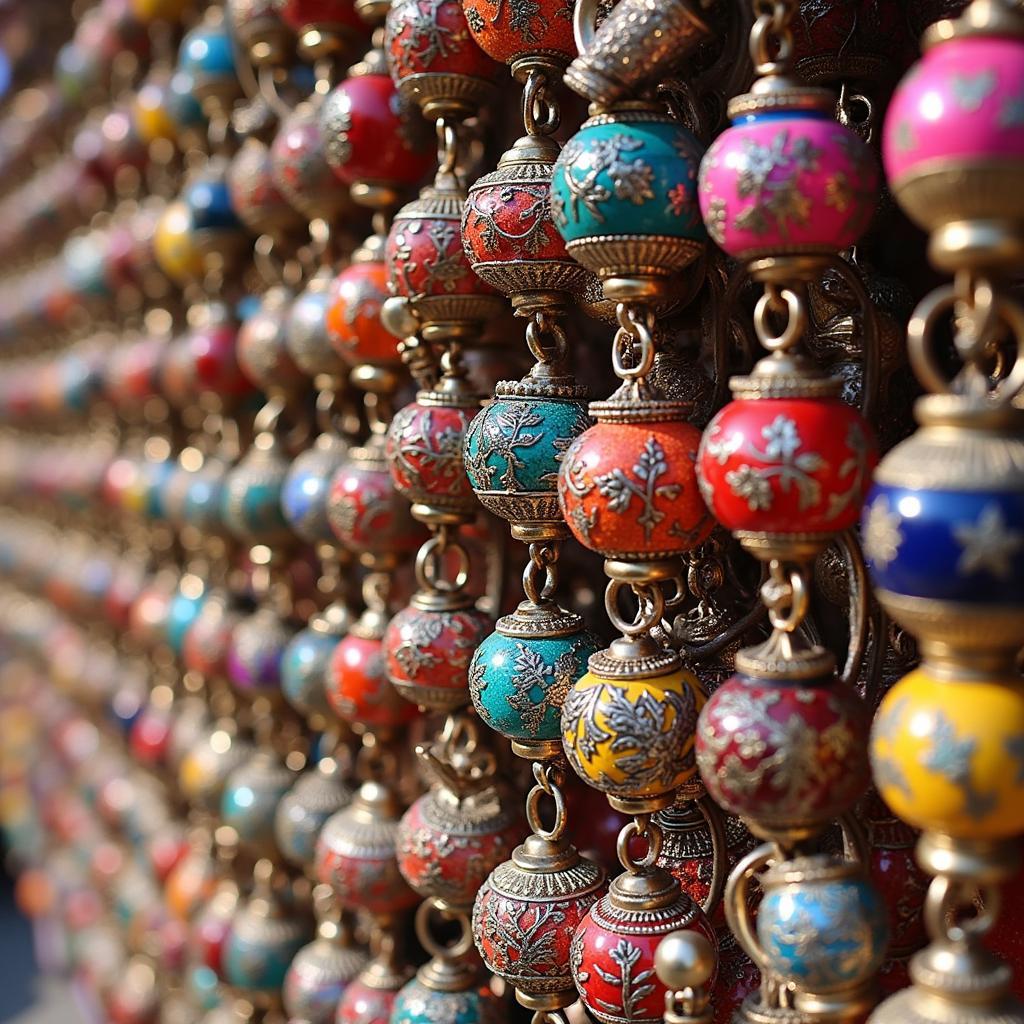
pixel 980 18
pixel 684 962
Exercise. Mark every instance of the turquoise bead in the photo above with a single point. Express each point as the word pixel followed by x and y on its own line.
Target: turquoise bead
pixel 250 504
pixel 417 1004
pixel 203 495
pixel 518 683
pixel 303 668
pixel 259 965
pixel 207 52
pixel 823 935
pixel 182 106
pixel 515 444
pixel 183 613
pixel 628 174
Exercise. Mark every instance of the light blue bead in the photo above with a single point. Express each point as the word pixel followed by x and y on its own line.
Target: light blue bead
pixel 417 1004
pixel 304 668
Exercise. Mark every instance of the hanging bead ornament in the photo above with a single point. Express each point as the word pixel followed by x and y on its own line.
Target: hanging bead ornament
pixel 784 466
pixel 943 522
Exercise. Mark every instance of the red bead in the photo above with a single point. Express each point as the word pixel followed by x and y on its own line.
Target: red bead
pixel 208 639
pixel 304 14
pixel 358 689
pixel 263 345
pixel 783 753
pixel 372 136
pixel 255 196
pixel 151 736
pixel 365 1004
pixel 786 465
pixel 213 350
pixel 424 453
pixel 613 955
pixel 353 319
pixel 447 850
pixel 628 490
pixel 509 32
pixel 429 652
pixel 367 514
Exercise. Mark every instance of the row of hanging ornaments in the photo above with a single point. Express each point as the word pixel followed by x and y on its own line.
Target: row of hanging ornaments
pixel 260 653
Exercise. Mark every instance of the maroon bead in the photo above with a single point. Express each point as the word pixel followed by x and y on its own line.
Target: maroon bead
pixel 255 196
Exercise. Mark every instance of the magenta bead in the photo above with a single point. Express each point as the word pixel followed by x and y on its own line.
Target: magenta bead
pixel 963 101
pixel 787 183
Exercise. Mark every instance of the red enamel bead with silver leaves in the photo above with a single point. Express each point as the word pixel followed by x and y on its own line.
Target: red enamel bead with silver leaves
pixel 613 949
pixel 783 753
pixel 508 32
pixel 367 514
pixel 628 490
pixel 358 689
pixel 447 848
pixel 372 135
pixel 353 319
pixel 786 465
pixel 424 453
pixel 429 651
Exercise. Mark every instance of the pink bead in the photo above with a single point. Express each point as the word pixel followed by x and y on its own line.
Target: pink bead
pixel 787 183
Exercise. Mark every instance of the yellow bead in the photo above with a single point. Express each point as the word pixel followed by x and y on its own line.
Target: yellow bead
pixel 948 755
pixel 175 247
pixel 160 10
pixel 633 738
pixel 152 119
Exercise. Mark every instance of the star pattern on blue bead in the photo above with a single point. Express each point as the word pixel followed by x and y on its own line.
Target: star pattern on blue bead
pixel 987 545
pixel 950 757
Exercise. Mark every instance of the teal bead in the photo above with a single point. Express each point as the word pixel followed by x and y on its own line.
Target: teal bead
pixel 251 498
pixel 250 798
pixel 184 611
pixel 513 449
pixel 203 496
pixel 304 669
pixel 182 106
pixel 259 962
pixel 518 683
pixel 418 1004
pixel 629 173
pixel 207 52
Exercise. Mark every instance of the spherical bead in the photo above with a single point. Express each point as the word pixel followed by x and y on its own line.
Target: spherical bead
pixel 446 848
pixel 327 15
pixel 258 948
pixel 820 924
pixel 306 332
pixel 629 490
pixel 258 643
pixel 304 495
pixel 250 798
pixel 262 348
pixel 304 666
pixel 353 319
pixel 632 738
pixel 416 1003
pixel 364 1003
pixel 318 978
pixel 303 810
pixel 255 196
pixel 174 244
pixel 780 182
pixel 783 754
pixel 185 608
pixel 509 35
pixel 946 754
pixel 358 689
pixel 251 503
pixel 647 212
pixel 786 465
pixel 428 654
pixel 518 682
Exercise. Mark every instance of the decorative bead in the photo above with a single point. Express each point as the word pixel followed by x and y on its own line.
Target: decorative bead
pixel 355 855
pixel 174 244
pixel 519 675
pixel 251 503
pixel 953 141
pixel 447 847
pixel 613 947
pixel 524 916
pixel 337 16
pixel 261 944
pixel 947 754
pixel 213 352
pixel 365 511
pixel 429 650
pixel 208 640
pixel 259 28
pixel 298 164
pixel 786 465
pixel 207 54
pixel 783 753
pixel 358 689
pixel 416 1003
pixel 303 810
pixel 820 923
pixel 508 232
pixel 426 262
pixel 185 608
pixel 257 647
pixel 306 332
pixel 249 802
pixel 371 135
pixel 306 662
pixel 365 1003
pixel 201 503
pixel 448 79
pixel 424 452
pixel 262 346
pixel 509 35
pixel 255 196
pixel 318 978
pixel 207 766
pixel 632 737
pixel 353 320
pixel 628 490
pixel 515 445
pixel 787 181
pixel 647 214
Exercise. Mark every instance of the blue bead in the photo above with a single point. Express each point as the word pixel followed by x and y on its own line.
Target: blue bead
pixel 259 965
pixel 304 495
pixel 182 106
pixel 504 697
pixel 959 546
pixel 182 614
pixel 823 935
pixel 417 1004
pixel 207 52
pixel 303 669
pixel 157 477
pixel 209 202
pixel 203 496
